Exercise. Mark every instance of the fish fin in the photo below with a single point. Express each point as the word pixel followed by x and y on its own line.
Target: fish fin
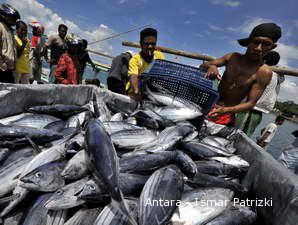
pixel 123 207
pixel 8 199
pixel 16 177
pixel 35 147
pixel 95 106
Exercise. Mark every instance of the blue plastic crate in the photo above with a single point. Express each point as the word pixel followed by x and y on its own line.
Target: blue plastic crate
pixel 183 81
pixel 197 94
pixel 159 68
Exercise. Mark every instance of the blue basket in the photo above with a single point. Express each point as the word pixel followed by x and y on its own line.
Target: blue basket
pixel 186 83
pixel 187 73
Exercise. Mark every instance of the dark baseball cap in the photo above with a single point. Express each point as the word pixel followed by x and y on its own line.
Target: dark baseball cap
pixel 270 30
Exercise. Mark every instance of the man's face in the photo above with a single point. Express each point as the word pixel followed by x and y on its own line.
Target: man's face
pixel 148 46
pixel 22 31
pixel 10 21
pixel 258 47
pixel 62 32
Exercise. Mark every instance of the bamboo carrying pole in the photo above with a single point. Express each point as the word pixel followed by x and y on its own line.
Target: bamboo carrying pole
pixel 278 70
pixel 99 53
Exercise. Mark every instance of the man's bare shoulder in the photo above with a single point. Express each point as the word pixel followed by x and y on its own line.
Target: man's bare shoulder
pixel 264 74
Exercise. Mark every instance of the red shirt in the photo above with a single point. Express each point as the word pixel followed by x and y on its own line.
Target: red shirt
pixel 67 69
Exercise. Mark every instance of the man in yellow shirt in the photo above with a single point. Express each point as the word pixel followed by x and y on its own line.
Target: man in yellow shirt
pixel 140 62
pixel 23 68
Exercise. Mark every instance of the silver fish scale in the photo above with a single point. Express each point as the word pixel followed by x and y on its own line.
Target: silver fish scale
pixel 56 217
pixel 83 217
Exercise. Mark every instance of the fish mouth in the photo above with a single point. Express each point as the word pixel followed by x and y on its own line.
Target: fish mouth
pixel 26 180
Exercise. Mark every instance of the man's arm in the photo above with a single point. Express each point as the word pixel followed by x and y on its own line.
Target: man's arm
pixel 133 72
pixel 90 61
pixel 211 66
pixel 48 44
pixel 263 78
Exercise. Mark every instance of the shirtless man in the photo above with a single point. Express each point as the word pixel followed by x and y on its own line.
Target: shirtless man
pixel 246 76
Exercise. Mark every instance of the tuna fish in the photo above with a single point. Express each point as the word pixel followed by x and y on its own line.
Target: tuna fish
pixel 66 197
pixel 201 205
pixel 58 110
pixel 37 135
pixel 76 167
pixel 147 162
pixel 104 163
pixel 35 121
pixel 235 216
pixel 160 195
pixel 46 178
pixel 37 214
pixel 131 139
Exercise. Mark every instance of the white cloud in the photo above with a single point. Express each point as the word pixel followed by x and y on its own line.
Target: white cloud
pixel 189 12
pixel 287 53
pixel 250 23
pixel 122 1
pixel 288 91
pixel 228 3
pixel 187 22
pixel 214 27
pixel 32 10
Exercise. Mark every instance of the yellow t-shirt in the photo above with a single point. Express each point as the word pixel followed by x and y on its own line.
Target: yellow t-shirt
pixel 137 65
pixel 23 64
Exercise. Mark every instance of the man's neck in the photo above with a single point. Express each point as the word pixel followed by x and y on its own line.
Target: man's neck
pixel 251 62
pixel 146 58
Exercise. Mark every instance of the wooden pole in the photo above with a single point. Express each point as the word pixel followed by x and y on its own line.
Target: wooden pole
pixel 172 51
pixel 99 53
pixel 278 70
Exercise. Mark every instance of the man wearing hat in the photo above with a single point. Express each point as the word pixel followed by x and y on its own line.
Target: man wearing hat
pixel 118 73
pixel 246 76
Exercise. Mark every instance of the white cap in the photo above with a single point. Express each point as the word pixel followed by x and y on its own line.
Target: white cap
pixel 130 52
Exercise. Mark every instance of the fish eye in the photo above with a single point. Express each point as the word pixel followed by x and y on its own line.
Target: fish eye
pixel 38 174
pixel 92 187
pixel 59 192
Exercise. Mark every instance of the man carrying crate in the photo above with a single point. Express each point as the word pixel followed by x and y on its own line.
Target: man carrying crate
pixel 140 62
pixel 246 76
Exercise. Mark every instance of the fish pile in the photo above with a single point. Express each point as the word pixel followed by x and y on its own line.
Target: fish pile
pixel 119 164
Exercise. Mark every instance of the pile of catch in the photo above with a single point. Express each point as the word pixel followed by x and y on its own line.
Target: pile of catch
pixel 115 164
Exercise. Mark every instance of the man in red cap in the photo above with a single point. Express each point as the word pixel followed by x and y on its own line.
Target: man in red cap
pixel 246 76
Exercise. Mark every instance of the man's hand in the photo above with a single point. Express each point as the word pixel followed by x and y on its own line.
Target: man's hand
pixel 261 143
pixel 95 69
pixel 213 73
pixel 217 111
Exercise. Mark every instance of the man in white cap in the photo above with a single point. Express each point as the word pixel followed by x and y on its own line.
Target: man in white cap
pixel 118 73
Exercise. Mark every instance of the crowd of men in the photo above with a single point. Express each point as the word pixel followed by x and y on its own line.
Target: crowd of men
pixel 21 58
pixel 247 88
